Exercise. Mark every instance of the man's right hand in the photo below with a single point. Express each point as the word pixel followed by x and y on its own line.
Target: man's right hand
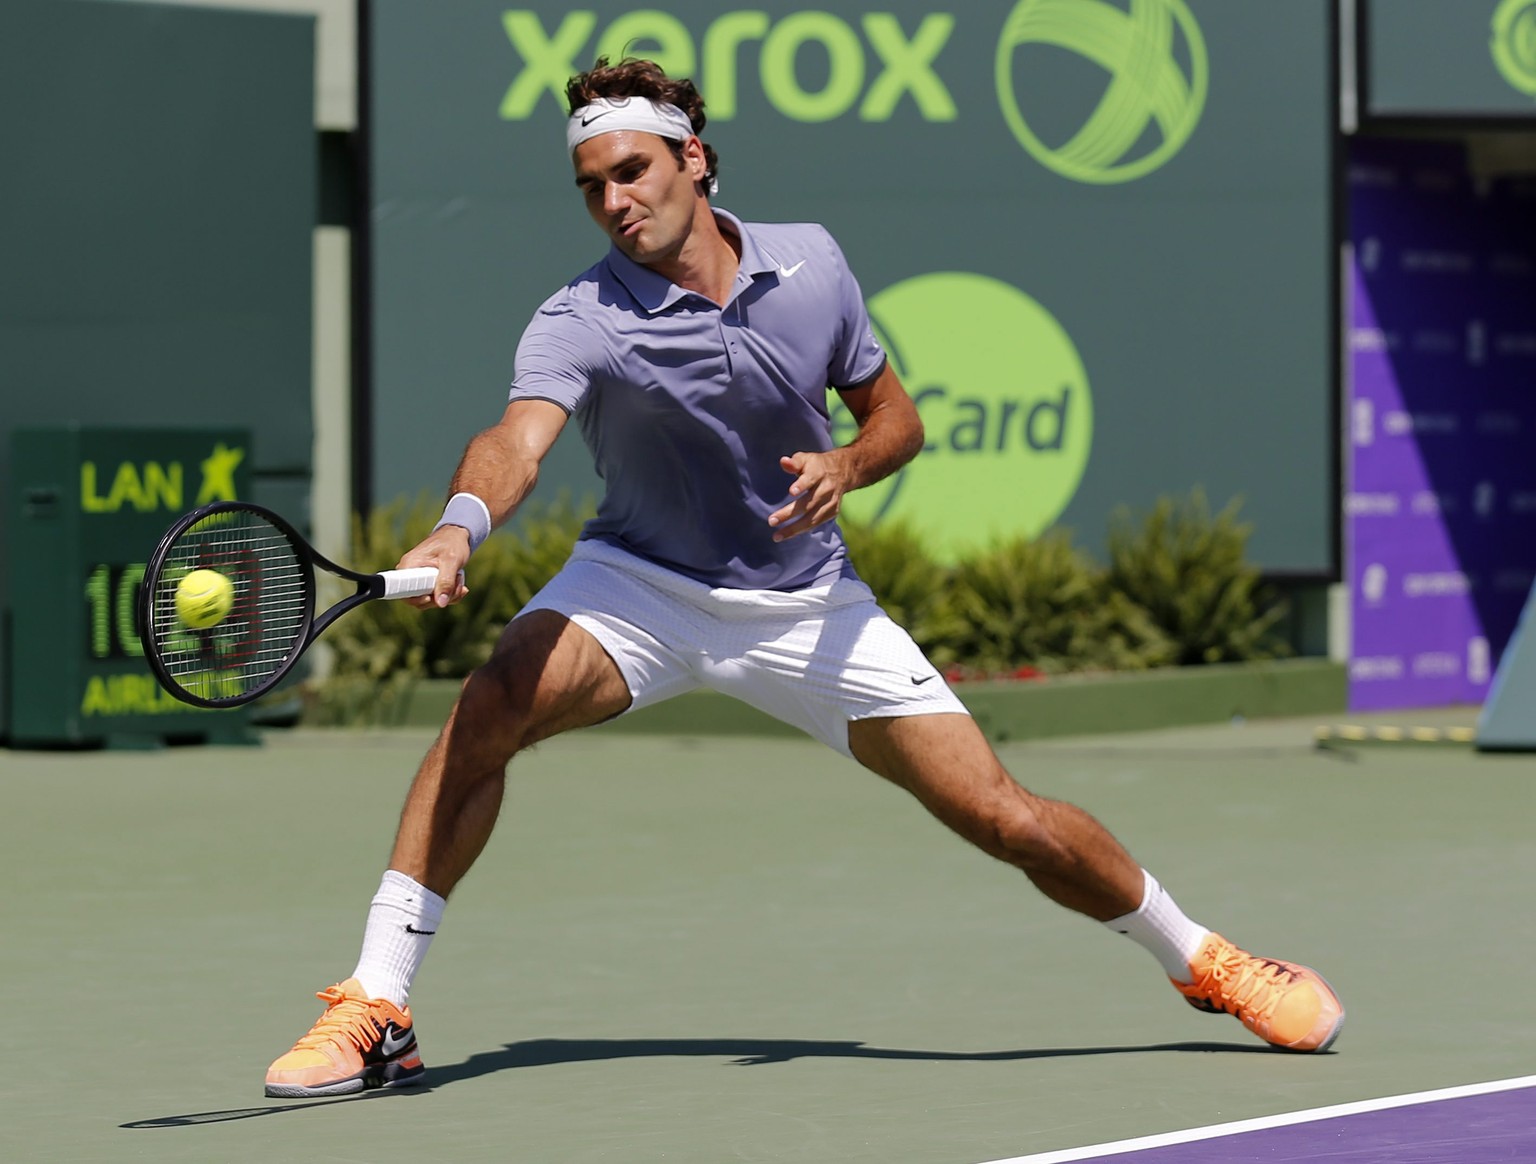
pixel 447 550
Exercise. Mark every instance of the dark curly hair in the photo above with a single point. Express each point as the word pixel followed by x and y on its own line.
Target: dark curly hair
pixel 634 77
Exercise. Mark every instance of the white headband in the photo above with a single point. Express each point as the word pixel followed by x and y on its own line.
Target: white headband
pixel 611 114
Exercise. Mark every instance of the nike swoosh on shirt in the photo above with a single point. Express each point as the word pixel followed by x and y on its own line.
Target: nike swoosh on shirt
pixel 787 272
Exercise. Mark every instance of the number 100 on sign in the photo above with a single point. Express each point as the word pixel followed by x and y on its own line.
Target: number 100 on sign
pixel 112 599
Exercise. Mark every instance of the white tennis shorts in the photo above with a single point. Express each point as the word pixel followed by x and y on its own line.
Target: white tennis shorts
pixel 816 658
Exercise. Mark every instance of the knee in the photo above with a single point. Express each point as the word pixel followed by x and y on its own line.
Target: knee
pixel 495 708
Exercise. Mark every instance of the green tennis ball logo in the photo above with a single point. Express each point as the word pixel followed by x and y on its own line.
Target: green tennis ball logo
pixel 1152 71
pixel 1005 405
pixel 204 599
pixel 1514 43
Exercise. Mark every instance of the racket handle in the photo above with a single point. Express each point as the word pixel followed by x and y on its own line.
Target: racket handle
pixel 410 583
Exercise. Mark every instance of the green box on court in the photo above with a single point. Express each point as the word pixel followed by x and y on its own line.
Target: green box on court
pixel 87 507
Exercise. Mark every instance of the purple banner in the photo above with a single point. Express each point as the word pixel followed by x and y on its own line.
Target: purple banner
pixel 1440 509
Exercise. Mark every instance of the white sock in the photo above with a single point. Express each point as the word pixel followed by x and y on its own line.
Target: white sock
pixel 1161 928
pixel 401 921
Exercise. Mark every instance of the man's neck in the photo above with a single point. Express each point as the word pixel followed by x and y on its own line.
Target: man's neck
pixel 708 260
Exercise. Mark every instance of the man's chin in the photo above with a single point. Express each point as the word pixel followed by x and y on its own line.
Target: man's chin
pixel 637 252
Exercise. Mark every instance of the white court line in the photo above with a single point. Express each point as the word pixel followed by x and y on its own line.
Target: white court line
pixel 1165 1139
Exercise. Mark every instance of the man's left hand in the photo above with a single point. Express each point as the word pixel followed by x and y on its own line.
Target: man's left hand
pixel 818 488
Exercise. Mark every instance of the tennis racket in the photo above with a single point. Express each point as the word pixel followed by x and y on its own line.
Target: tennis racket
pixel 271 620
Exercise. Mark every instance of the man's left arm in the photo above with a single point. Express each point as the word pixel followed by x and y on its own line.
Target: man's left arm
pixel 890 434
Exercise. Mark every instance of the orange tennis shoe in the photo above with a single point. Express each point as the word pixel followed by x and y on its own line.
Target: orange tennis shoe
pixel 359 1042
pixel 1283 1003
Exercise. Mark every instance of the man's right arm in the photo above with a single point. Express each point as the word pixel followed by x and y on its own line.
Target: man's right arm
pixel 500 467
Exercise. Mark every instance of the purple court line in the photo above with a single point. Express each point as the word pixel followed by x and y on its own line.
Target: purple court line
pixel 1481 1123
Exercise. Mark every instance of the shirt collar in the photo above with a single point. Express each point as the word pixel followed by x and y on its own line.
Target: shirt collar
pixel 655 293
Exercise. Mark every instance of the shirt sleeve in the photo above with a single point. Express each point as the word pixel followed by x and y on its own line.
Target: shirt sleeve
pixel 554 358
pixel 857 355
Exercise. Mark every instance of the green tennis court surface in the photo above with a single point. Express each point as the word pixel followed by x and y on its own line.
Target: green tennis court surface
pixel 734 949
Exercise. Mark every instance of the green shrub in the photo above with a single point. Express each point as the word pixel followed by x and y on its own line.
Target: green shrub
pixel 909 583
pixel 1041 604
pixel 1187 569
pixel 1177 590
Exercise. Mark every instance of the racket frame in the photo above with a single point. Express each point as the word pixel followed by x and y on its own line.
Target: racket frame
pixel 368 587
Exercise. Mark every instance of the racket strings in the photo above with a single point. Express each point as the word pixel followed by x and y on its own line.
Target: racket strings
pixel 273 596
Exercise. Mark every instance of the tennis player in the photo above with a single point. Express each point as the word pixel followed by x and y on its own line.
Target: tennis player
pixel 696 357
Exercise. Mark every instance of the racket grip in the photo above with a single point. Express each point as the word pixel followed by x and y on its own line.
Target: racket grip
pixel 410 583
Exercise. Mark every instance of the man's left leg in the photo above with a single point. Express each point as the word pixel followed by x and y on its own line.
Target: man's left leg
pixel 946 763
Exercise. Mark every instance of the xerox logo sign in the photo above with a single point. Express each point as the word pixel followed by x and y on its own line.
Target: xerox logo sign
pixel 1005 404
pixel 868 63
pixel 1150 60
pixel 1097 91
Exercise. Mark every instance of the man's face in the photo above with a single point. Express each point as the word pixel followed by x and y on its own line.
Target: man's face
pixel 636 192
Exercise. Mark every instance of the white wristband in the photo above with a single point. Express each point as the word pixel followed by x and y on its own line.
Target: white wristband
pixel 468 511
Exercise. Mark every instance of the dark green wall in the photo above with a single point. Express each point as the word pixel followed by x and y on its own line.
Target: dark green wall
pixel 157 203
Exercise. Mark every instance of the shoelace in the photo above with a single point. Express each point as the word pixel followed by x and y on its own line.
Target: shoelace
pixel 1239 982
pixel 344 1018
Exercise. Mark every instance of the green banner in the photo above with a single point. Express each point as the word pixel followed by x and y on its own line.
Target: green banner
pixel 1450 58
pixel 1094 234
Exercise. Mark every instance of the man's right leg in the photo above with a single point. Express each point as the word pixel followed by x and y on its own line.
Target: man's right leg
pixel 546 676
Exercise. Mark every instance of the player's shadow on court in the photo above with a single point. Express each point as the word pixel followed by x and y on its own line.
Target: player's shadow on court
pixel 736 1052
pixel 761 1052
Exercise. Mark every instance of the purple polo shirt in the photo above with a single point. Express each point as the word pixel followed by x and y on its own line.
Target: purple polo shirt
pixel 687 406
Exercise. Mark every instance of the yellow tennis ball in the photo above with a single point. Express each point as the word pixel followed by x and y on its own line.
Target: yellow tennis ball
pixel 204 599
